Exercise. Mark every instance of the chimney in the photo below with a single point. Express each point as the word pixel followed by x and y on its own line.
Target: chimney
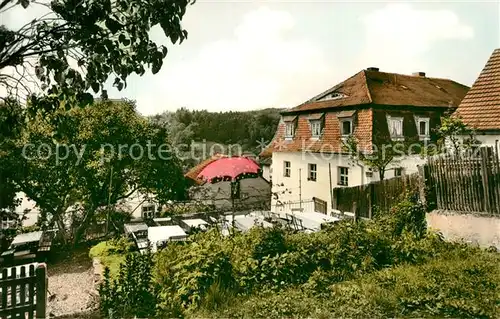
pixel 372 68
pixel 421 74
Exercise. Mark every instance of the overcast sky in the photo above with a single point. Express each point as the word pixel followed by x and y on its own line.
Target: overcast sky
pixel 243 55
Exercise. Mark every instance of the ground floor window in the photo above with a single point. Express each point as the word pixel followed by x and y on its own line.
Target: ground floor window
pixel 343 173
pixel 148 212
pixel 312 172
pixel 398 171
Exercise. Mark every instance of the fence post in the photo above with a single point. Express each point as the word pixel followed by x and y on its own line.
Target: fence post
pixel 370 200
pixel 355 211
pixel 335 203
pixel 485 173
pixel 422 184
pixel 41 291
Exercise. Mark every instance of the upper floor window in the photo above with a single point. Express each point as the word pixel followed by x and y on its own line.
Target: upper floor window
pixel 316 128
pixel 346 119
pixel 290 129
pixel 331 96
pixel 316 121
pixel 346 127
pixel 343 176
pixel 395 126
pixel 287 168
pixel 148 212
pixel 312 172
pixel 423 126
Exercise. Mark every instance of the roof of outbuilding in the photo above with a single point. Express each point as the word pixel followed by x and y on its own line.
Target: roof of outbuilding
pixel 480 108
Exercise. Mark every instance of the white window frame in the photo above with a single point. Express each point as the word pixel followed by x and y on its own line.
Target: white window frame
pixel 289 129
pixel 425 120
pixel 390 120
pixel 343 176
pixel 287 169
pixel 312 174
pixel 148 211
pixel 316 126
pixel 342 126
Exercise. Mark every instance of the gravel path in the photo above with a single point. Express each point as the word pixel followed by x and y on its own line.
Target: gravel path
pixel 71 286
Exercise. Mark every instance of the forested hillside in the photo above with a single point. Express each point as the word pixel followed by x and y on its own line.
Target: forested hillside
pixel 242 128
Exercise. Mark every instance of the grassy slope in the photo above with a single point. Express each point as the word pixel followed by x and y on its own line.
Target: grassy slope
pixel 105 252
pixel 458 286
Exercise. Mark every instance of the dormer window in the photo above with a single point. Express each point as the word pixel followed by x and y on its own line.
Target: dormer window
pixel 317 123
pixel 346 119
pixel 331 96
pixel 316 128
pixel 336 95
pixel 395 125
pixel 290 129
pixel 290 123
pixel 346 128
pixel 423 127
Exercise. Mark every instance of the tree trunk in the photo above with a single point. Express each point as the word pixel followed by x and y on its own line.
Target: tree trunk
pixel 83 226
pixel 62 229
pixel 381 173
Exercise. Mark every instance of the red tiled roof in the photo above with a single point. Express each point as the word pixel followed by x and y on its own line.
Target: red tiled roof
pixel 480 108
pixel 330 141
pixel 374 87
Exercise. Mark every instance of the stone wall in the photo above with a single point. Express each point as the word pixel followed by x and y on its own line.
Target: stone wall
pixel 471 228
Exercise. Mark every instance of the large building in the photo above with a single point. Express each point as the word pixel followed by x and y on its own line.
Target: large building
pixel 308 156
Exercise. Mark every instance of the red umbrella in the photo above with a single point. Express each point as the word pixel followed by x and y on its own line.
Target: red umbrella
pixel 229 168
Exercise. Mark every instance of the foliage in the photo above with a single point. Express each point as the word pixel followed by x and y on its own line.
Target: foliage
pixel 462 284
pixel 11 124
pixel 74 46
pixel 348 269
pixel 132 293
pixel 407 216
pixel 383 152
pixel 92 167
pixel 244 129
pixel 30 229
pixel 116 246
pixel 117 218
pixel 456 132
pixel 185 273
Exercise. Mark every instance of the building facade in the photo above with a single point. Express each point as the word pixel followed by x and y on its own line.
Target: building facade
pixel 376 109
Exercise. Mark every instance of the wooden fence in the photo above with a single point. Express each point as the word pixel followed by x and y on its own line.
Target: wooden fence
pixel 465 183
pixel 23 292
pixel 363 200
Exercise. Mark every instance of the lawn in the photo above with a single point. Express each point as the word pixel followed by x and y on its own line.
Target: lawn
pixel 111 253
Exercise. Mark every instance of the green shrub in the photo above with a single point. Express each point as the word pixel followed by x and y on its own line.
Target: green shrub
pixel 452 286
pixel 185 272
pixel 365 269
pixel 132 293
pixel 408 216
pixel 118 246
